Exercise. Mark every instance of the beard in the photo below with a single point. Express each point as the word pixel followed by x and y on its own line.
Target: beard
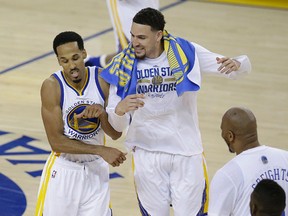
pixel 230 150
pixel 77 80
pixel 140 57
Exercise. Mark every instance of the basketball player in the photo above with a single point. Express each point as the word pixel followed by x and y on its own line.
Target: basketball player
pixel 76 175
pixel 121 13
pixel 154 85
pixel 233 184
pixel 267 198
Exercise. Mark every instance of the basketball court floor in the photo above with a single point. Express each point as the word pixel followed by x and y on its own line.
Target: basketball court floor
pixel 258 29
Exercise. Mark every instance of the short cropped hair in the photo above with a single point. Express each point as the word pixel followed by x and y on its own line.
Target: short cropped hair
pixel 67 37
pixel 151 17
pixel 269 197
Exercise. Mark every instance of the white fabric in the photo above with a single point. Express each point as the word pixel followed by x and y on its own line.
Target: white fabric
pixel 233 184
pixel 166 123
pixel 163 178
pixel 89 130
pixel 78 189
pixel 125 11
pixel 78 184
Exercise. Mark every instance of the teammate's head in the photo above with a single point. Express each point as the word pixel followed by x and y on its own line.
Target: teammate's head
pixel 69 49
pixel 267 199
pixel 239 129
pixel 147 32
pixel 67 37
pixel 151 17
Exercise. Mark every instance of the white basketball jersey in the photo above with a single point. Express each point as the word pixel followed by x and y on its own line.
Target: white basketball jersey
pixel 73 102
pixel 233 184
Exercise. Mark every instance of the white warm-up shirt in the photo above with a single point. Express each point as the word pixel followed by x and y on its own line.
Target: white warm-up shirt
pixel 232 185
pixel 167 122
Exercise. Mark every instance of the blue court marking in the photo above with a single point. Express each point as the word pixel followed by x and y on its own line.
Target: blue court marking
pixel 51 52
pixel 85 39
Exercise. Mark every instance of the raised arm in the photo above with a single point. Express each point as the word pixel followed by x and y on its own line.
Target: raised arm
pixel 213 63
pixel 53 123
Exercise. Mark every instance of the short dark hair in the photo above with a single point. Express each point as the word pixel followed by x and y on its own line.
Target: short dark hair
pixel 151 17
pixel 269 197
pixel 66 37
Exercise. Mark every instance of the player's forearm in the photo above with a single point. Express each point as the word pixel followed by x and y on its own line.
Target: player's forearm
pixel 62 144
pixel 107 128
pixel 119 123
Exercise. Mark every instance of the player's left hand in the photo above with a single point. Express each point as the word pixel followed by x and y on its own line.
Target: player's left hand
pixel 91 111
pixel 227 65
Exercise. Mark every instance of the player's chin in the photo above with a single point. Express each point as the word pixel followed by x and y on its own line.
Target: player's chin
pixel 231 150
pixel 140 55
pixel 76 80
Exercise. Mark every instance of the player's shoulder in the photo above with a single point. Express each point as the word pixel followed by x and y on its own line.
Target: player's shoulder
pixel 229 176
pixel 277 151
pixel 229 168
pixel 50 84
pixel 50 81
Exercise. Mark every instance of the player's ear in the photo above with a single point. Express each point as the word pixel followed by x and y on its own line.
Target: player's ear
pixel 159 35
pixel 84 53
pixel 58 61
pixel 230 136
pixel 253 209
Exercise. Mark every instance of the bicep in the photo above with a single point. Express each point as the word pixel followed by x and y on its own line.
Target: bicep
pixel 51 111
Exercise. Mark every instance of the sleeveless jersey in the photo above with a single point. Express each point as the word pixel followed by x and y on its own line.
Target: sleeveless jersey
pixel 73 101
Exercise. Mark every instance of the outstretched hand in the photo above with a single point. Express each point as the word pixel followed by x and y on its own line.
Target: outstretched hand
pixel 227 65
pixel 113 156
pixel 91 111
pixel 129 103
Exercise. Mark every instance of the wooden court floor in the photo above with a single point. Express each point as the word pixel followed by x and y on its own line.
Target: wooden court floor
pixel 26 59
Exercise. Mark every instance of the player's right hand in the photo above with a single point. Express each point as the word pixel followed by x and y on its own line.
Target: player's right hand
pixel 113 156
pixel 129 103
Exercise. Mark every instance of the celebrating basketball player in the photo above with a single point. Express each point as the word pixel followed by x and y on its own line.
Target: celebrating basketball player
pixel 233 184
pixel 154 85
pixel 75 179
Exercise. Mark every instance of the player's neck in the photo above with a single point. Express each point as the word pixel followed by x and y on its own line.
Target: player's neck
pixel 248 146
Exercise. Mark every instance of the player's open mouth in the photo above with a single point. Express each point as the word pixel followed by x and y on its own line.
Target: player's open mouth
pixel 74 73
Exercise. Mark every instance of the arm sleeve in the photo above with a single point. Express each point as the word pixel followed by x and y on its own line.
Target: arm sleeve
pixel 119 123
pixel 208 63
pixel 222 195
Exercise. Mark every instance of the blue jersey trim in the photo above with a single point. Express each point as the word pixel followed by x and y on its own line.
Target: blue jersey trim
pixel 98 84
